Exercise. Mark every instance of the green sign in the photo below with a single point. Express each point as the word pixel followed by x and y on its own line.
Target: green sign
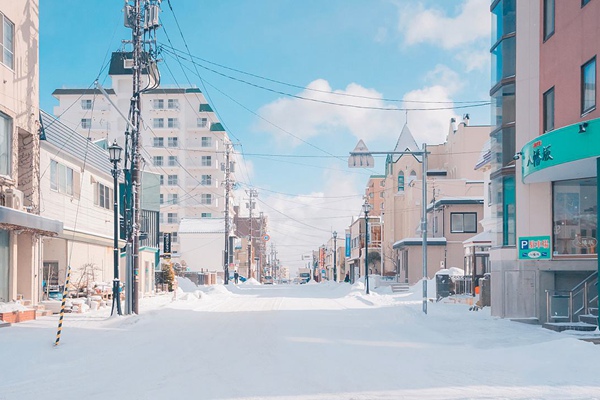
pixel 535 248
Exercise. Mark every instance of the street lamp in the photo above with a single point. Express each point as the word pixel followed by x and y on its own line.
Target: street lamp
pixel 366 208
pixel 114 155
pixel 334 256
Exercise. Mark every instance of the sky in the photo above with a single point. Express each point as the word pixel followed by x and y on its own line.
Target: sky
pixel 395 54
pixel 327 341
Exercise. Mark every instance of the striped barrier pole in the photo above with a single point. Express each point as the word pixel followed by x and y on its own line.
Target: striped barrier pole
pixel 62 307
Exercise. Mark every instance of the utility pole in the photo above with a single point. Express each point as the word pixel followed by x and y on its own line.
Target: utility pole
pixel 141 12
pixel 227 168
pixel 252 193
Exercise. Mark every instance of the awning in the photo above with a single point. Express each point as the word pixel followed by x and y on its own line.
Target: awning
pixel 11 219
pixel 431 241
pixel 481 238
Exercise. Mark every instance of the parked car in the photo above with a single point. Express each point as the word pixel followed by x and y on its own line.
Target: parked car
pixel 267 280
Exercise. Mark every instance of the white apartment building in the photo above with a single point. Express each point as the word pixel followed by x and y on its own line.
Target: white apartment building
pixel 182 140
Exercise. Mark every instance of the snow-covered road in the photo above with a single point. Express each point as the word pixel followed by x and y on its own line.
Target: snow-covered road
pixel 319 341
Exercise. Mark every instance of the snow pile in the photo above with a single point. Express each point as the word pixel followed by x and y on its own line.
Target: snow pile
pixel 452 271
pixel 10 307
pixel 186 285
pixel 251 281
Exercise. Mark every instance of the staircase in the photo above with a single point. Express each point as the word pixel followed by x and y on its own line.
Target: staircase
pixel 575 309
pixel 399 287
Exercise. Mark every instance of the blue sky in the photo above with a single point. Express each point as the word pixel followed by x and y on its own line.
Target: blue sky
pixel 430 50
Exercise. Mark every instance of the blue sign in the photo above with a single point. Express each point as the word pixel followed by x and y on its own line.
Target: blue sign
pixel 347 245
pixel 535 248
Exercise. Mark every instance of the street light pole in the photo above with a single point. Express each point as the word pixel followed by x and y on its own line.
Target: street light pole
pixel 114 153
pixel 366 209
pixel 334 256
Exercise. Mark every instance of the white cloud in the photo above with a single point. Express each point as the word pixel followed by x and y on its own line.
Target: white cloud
pixel 306 119
pixel 473 22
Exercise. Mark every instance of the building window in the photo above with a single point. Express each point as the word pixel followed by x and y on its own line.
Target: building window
pixel 588 86
pixel 206 161
pixel 172 161
pixel 548 101
pixel 574 216
pixel 401 181
pixel 172 123
pixel 103 196
pixel 162 199
pixel 173 198
pixel 412 177
pixel 8 43
pixel 172 180
pixel 157 161
pixel 158 142
pixel 382 206
pixel 172 141
pixel 206 180
pixel 381 194
pixel 61 178
pixel 158 104
pixel 206 142
pixel 5 144
pixel 86 123
pixel 382 183
pixel 548 18
pixel 202 122
pixel 174 237
pixel 463 222
pixel 158 123
pixel 173 104
pixel 206 215
pixel 206 198
pixel 171 219
pixel 162 180
pixel 86 104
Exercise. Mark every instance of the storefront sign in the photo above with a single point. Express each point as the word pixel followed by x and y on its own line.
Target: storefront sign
pixel 347 245
pixel 535 248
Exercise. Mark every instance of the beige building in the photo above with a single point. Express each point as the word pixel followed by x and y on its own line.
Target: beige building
pixel 454 201
pixel 21 226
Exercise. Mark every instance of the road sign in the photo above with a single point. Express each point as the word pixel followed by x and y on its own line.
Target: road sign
pixel 266 238
pixel 535 248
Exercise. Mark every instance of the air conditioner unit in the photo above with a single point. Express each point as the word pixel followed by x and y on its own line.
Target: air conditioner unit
pixel 14 199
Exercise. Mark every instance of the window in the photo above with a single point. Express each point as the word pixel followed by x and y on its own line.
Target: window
pixel 463 222
pixel 172 141
pixel 371 195
pixel 158 123
pixel 548 105
pixel 61 178
pixel 548 18
pixel 161 218
pixel 162 180
pixel 158 142
pixel 172 123
pixel 171 218
pixel 86 123
pixel 172 180
pixel 103 196
pixel 174 237
pixel 206 180
pixel 206 215
pixel 173 104
pixel 202 122
pixel 412 177
pixel 206 161
pixel 382 183
pixel 157 161
pixel 5 144
pixel 382 206
pixel 206 198
pixel 381 194
pixel 158 104
pixel 574 216
pixel 86 104
pixel 588 86
pixel 7 42
pixel 173 198
pixel 162 198
pixel 206 142
pixel 172 161
pixel 401 181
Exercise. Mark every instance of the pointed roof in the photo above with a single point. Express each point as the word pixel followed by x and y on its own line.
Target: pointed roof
pixel 406 142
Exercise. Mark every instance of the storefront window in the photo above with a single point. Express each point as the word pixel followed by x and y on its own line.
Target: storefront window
pixel 574 217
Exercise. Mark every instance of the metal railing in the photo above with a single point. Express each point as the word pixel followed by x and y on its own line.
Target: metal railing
pixel 570 304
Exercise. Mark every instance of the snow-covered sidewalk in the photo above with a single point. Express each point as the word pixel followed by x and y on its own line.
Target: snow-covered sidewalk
pixel 323 341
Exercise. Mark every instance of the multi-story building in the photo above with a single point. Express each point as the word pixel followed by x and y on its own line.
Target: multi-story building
pixel 250 257
pixel 554 246
pixel 375 194
pixel 454 201
pixel 21 226
pixel 182 140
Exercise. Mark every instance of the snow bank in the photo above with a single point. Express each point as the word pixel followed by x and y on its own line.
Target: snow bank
pixel 453 271
pixel 250 281
pixel 186 285
pixel 10 307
